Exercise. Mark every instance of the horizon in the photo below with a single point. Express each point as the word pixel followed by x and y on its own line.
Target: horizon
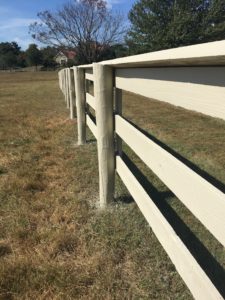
pixel 15 18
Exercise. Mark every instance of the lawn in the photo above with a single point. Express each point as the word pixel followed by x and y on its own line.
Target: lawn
pixel 54 241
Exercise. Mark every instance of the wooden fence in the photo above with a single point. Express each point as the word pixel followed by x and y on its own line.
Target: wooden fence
pixel 192 77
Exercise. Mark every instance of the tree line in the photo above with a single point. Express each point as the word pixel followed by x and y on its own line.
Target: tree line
pixel 11 56
pixel 97 33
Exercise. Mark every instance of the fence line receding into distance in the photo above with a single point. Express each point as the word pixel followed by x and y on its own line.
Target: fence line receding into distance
pixel 191 77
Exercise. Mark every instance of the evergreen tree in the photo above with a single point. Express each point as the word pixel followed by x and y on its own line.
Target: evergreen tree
pixel 33 55
pixel 9 53
pixel 163 24
pixel 48 57
pixel 214 22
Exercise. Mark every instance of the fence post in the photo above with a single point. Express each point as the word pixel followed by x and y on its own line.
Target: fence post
pixel 72 92
pixel 59 76
pixel 67 88
pixel 65 85
pixel 103 91
pixel 118 109
pixel 62 74
pixel 80 100
pixel 66 94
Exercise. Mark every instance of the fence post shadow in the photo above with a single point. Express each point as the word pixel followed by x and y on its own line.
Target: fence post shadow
pixel 206 260
pixel 214 181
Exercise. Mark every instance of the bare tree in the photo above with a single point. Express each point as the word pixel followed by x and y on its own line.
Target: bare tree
pixel 86 25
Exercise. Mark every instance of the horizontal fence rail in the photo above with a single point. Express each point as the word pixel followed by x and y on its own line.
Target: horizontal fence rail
pixel 200 89
pixel 204 200
pixel 89 74
pixel 200 285
pixel 189 77
pixel 92 126
pixel 90 100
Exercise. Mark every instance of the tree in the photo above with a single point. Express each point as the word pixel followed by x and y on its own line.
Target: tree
pixel 33 55
pixel 21 60
pixel 87 26
pixel 9 53
pixel 160 24
pixel 115 51
pixel 48 55
pixel 213 27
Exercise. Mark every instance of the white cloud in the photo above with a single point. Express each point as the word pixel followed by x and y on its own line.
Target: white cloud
pixel 16 29
pixel 16 23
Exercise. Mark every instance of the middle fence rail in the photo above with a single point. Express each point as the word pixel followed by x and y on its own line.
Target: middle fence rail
pixel 191 77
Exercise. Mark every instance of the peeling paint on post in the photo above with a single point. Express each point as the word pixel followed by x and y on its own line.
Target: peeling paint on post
pixel 103 91
pixel 80 101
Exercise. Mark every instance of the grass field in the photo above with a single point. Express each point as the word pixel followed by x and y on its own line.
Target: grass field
pixel 54 242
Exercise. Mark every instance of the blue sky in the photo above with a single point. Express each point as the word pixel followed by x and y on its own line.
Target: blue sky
pixel 16 15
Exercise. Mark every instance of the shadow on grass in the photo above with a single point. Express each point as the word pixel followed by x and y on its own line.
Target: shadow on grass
pixel 126 199
pixel 205 259
pixel 211 179
pixel 91 141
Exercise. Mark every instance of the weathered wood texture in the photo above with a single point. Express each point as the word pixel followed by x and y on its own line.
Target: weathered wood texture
pixel 103 90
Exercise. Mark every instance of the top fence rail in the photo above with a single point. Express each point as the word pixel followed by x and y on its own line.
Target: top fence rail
pixel 201 54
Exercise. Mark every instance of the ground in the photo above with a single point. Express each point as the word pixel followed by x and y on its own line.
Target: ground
pixel 54 241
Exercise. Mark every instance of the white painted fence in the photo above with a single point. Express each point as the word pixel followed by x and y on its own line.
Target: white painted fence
pixel 192 77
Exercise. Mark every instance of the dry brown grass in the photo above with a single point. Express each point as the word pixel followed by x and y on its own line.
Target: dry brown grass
pixel 54 242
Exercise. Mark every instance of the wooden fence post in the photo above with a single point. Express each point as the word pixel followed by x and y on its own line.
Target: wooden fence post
pixel 64 84
pixel 66 96
pixel 67 89
pixel 59 76
pixel 61 80
pixel 118 109
pixel 80 101
pixel 103 91
pixel 71 92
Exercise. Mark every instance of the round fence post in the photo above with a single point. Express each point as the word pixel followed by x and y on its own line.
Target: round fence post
pixel 80 101
pixel 64 84
pixel 103 91
pixel 67 88
pixel 72 92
